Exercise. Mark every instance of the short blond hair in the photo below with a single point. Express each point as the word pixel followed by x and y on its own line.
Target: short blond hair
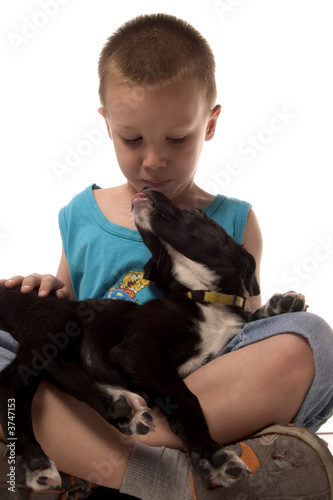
pixel 155 50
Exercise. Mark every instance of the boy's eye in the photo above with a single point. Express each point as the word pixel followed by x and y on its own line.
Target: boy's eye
pixel 131 142
pixel 181 140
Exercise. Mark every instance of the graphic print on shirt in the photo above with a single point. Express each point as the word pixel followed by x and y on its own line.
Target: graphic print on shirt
pixel 132 283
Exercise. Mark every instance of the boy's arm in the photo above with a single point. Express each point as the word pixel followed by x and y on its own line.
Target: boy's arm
pixel 64 276
pixel 252 241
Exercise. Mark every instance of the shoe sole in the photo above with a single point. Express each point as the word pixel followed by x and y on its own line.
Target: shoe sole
pixel 309 438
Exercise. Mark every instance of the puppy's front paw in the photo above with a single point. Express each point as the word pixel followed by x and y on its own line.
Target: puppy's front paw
pixel 281 303
pixel 40 473
pixel 224 468
pixel 129 413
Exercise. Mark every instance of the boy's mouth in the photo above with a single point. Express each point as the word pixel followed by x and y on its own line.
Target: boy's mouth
pixel 156 184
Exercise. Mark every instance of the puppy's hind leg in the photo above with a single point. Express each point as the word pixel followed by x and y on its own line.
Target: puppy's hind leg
pixel 16 397
pixel 108 396
pixel 161 381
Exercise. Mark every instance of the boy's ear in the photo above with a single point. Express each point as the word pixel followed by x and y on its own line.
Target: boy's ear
pixel 102 112
pixel 211 125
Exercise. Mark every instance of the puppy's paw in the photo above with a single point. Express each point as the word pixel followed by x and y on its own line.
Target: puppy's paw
pixel 224 468
pixel 141 422
pixel 130 413
pixel 281 303
pixel 40 473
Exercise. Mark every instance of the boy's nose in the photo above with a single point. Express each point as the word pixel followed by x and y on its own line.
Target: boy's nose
pixel 154 159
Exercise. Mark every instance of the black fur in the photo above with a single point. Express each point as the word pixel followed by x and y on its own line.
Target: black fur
pixel 109 354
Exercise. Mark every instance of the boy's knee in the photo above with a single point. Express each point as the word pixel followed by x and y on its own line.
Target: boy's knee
pixel 291 376
pixel 295 357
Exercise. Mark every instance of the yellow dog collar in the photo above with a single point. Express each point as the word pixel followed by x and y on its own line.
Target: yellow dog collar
pixel 204 296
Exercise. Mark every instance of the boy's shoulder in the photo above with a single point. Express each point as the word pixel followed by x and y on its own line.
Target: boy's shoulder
pixel 115 204
pixel 116 192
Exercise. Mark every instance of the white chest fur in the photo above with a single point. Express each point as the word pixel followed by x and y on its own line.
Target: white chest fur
pixel 217 328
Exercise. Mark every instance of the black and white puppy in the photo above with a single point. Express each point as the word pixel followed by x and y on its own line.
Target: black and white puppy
pixel 120 357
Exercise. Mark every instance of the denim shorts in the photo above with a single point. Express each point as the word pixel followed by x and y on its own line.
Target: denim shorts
pixel 318 405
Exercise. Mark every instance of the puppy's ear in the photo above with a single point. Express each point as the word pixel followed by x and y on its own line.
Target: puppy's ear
pixel 249 269
pixel 153 272
pixel 150 270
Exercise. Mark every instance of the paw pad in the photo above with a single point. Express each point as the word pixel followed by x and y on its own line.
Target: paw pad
pixel 224 468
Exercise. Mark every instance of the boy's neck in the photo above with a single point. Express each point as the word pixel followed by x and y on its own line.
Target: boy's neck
pixel 194 197
pixel 115 202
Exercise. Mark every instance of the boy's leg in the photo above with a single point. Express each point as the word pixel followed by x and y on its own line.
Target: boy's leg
pixel 249 388
pixel 240 392
pixel 84 445
pixel 286 462
pixel 290 462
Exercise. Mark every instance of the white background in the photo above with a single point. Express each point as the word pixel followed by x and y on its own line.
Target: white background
pixel 274 58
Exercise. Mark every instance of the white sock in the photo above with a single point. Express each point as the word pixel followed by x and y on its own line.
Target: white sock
pixel 157 474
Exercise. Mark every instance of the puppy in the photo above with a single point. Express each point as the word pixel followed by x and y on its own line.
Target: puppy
pixel 121 358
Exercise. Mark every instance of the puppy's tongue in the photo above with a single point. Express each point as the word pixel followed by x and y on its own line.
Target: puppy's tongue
pixel 139 197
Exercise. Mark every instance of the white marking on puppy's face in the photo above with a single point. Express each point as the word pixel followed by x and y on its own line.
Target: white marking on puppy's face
pixel 141 215
pixel 191 274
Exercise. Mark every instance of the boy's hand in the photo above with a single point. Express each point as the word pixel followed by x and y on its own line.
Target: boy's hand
pixel 46 284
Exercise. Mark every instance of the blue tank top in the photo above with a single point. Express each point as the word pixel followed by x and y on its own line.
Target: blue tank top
pixel 107 261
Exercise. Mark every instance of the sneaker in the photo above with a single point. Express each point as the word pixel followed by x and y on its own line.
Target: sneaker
pixel 285 462
pixel 14 487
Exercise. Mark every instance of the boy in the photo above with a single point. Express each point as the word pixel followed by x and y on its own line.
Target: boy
pixel 158 92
